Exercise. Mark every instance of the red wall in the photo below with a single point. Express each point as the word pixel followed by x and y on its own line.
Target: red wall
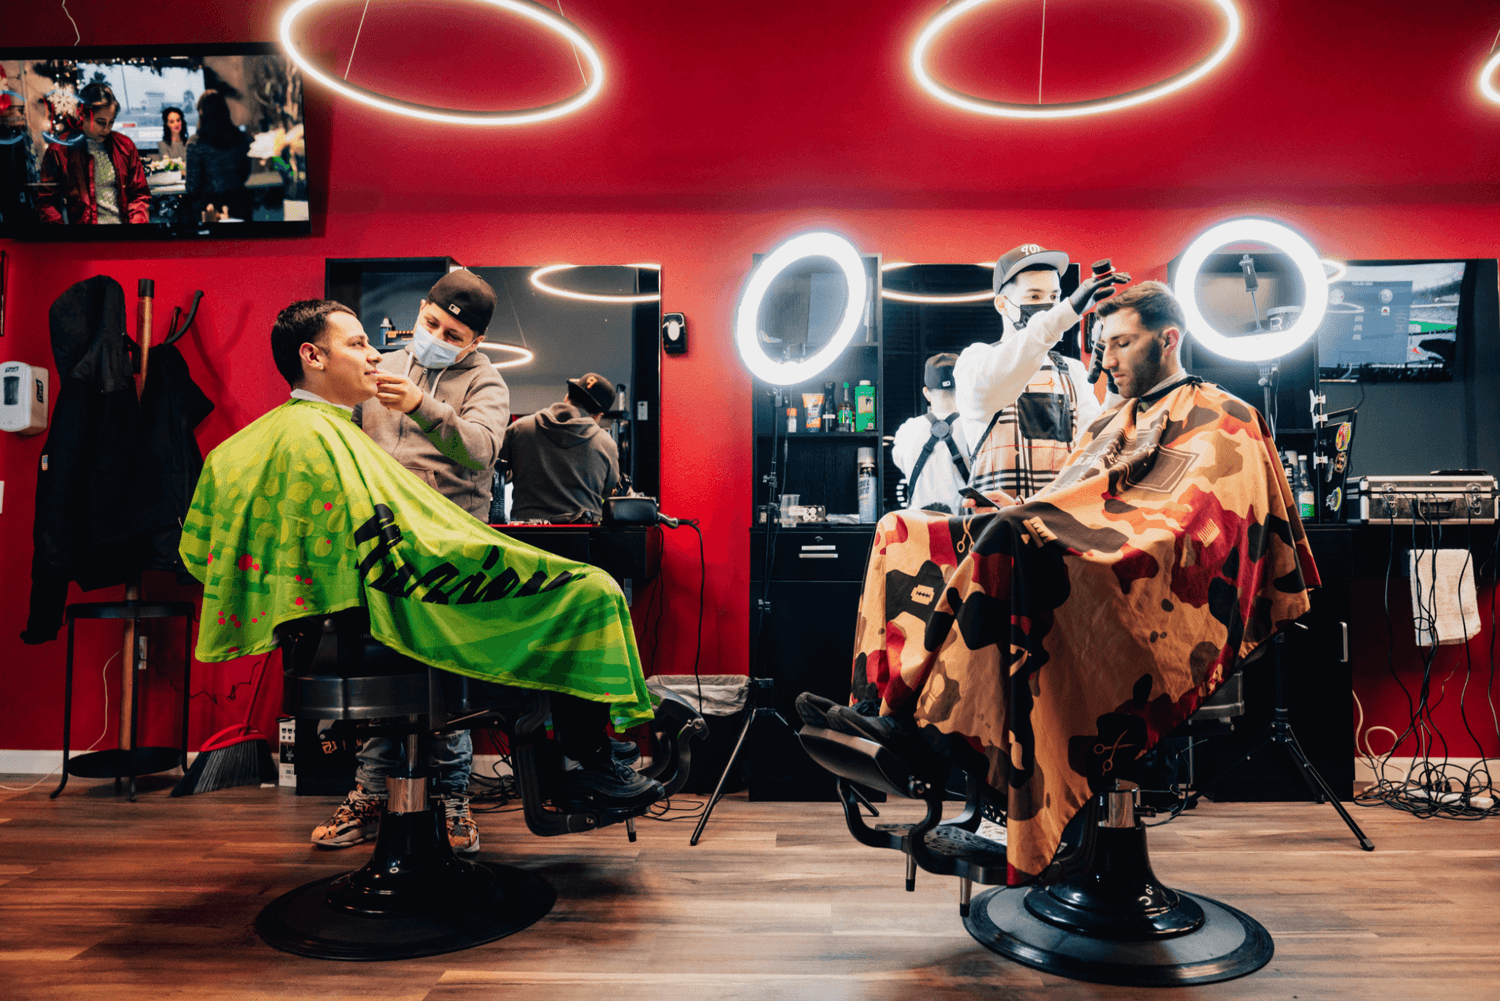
pixel 706 399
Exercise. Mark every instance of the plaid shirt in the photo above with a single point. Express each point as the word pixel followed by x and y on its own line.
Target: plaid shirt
pixel 1028 442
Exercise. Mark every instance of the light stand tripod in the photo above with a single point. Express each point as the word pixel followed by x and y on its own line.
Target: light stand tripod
pixel 1280 732
pixel 761 702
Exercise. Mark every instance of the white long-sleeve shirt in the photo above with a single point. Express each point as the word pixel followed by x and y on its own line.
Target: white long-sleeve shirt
pixel 940 480
pixel 990 377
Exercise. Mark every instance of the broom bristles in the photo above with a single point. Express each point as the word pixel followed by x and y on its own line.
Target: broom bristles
pixel 247 762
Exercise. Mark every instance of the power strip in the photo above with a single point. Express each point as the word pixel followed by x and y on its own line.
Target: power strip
pixel 1477 802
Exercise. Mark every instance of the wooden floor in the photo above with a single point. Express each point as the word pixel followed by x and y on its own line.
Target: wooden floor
pixel 101 898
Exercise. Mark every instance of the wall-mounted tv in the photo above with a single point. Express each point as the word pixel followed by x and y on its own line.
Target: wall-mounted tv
pixel 1397 320
pixel 159 142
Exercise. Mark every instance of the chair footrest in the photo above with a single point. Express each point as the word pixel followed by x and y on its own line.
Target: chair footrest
pixel 958 844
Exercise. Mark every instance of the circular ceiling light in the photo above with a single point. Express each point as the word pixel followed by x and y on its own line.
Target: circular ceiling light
pixel 518 355
pixel 747 314
pixel 932 299
pixel 1486 78
pixel 456 116
pixel 1271 344
pixel 951 13
pixel 540 273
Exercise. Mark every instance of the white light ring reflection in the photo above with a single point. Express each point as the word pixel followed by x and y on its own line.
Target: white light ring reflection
pixel 539 273
pixel 1336 269
pixel 932 299
pixel 747 313
pixel 522 356
pixel 1264 346
pixel 1486 78
pixel 1001 109
pixel 456 116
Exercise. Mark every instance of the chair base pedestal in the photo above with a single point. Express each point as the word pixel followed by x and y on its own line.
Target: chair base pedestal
pixel 413 898
pixel 1117 924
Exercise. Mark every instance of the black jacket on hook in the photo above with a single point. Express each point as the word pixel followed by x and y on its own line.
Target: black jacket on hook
pixel 116 473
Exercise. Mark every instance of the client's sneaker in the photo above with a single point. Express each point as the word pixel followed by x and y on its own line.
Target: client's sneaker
pixel 357 819
pixel 463 835
pixel 813 709
pixel 612 786
pixel 625 751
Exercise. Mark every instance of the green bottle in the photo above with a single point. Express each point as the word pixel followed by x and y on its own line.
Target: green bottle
pixel 864 406
pixel 846 411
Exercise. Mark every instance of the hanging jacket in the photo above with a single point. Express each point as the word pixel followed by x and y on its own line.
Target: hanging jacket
pixel 109 494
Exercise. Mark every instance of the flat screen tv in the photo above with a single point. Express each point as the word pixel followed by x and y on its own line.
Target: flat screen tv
pixel 68 115
pixel 1397 320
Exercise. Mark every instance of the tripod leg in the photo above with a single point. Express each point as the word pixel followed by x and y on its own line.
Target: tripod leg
pixel 728 767
pixel 1319 786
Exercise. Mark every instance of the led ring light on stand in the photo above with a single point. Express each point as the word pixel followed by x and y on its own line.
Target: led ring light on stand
pixel 951 13
pixel 747 314
pixel 456 116
pixel 1255 347
pixel 1487 78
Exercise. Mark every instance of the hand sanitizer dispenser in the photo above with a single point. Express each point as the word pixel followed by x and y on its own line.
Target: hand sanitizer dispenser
pixel 23 398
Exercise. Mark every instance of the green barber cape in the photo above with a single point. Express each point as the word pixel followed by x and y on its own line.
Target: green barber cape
pixel 302 514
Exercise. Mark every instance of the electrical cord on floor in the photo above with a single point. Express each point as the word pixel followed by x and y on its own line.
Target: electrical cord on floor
pixel 104 684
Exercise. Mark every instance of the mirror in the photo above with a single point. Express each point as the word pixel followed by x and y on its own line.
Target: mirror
pixel 550 324
pixel 928 309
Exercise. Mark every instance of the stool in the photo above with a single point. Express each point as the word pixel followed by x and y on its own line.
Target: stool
pixel 128 760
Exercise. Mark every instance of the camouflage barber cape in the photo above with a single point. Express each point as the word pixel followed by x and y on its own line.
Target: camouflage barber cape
pixel 302 514
pixel 1063 637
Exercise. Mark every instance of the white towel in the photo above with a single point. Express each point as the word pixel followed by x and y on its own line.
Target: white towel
pixel 1442 596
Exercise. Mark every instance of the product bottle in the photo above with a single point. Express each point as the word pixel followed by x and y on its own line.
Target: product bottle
pixel 830 417
pixel 791 420
pixel 1306 506
pixel 864 406
pixel 866 485
pixel 846 410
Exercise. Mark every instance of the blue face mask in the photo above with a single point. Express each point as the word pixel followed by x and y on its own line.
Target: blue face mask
pixel 430 352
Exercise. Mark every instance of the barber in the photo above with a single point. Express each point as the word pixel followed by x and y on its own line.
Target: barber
pixel 561 461
pixel 932 451
pixel 442 413
pixel 1032 400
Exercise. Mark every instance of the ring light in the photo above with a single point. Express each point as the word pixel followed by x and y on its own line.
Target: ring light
pixel 522 356
pixel 1001 109
pixel 455 116
pixel 1486 78
pixel 539 273
pixel 816 244
pixel 1255 347
pixel 932 299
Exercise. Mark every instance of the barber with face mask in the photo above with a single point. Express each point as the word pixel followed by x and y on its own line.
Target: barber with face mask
pixel 442 412
pixel 1031 400
pixel 443 407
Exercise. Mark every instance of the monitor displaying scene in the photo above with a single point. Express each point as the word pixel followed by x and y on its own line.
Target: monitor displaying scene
pixel 1392 321
pixel 165 142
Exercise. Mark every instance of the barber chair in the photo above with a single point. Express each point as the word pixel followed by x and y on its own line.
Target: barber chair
pixel 1096 913
pixel 415 897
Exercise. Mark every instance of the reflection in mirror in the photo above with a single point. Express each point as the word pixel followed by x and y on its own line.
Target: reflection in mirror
pixel 1250 291
pixel 572 321
pixel 802 308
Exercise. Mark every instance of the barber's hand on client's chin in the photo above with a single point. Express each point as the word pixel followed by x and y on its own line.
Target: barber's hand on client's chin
pixel 397 392
pixel 1094 289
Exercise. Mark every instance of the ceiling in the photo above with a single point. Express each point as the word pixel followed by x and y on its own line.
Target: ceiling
pixel 769 104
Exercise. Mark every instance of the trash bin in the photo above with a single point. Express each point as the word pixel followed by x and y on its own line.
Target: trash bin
pixel 723 705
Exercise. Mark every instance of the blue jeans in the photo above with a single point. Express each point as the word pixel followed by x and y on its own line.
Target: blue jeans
pixel 452 761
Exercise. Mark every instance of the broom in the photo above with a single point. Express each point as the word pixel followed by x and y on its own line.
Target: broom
pixel 235 756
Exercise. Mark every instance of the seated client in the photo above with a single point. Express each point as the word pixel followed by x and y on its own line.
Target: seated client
pixel 1049 644
pixel 301 514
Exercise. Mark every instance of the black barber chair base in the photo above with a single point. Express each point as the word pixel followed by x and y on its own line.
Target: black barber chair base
pixel 1228 944
pixel 305 923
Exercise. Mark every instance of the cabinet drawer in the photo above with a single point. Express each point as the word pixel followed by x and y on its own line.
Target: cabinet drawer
pixel 811 554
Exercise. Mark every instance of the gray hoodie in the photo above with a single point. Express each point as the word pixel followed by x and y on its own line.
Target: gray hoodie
pixel 562 465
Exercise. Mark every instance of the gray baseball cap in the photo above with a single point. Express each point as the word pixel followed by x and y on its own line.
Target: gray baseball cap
pixel 1013 262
